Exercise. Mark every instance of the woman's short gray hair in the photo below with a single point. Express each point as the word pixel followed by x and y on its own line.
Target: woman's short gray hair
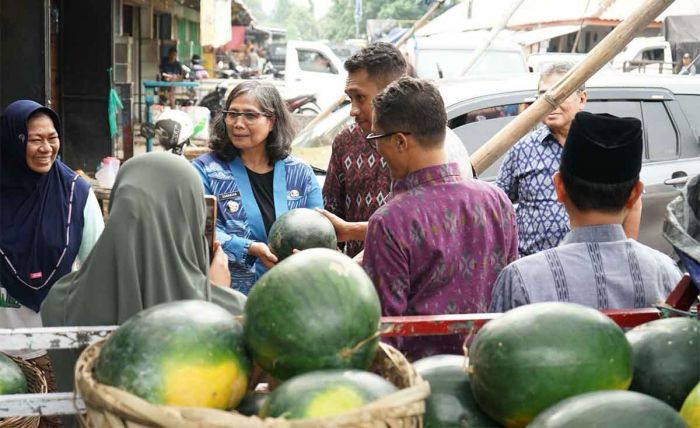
pixel 279 141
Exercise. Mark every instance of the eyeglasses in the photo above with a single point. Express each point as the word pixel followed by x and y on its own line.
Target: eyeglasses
pixel 248 116
pixel 373 138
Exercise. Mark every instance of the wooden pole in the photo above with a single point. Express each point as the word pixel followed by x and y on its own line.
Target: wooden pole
pixel 416 26
pixel 613 43
pixel 420 23
pixel 500 25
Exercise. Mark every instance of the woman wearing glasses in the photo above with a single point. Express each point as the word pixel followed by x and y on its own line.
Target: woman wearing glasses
pixel 254 178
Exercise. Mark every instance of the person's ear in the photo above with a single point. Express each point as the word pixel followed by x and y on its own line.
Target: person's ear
pixel 559 187
pixel 635 194
pixel 402 142
pixel 583 97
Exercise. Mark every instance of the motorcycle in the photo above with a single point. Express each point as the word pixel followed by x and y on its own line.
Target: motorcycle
pixel 234 71
pixel 214 100
pixel 302 104
pixel 188 97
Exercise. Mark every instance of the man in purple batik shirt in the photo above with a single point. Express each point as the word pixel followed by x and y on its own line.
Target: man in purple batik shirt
pixel 438 245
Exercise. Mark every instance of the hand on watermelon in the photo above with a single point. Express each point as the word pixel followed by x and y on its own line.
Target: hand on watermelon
pixel 263 253
pixel 345 230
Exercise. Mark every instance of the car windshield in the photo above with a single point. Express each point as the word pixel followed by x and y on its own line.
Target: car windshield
pixel 450 62
pixel 313 144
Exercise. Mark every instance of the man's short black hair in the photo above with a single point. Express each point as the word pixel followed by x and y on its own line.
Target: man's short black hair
pixel 415 106
pixel 587 196
pixel 381 60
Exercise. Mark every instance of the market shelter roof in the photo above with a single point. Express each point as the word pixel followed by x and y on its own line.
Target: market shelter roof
pixel 621 8
pixel 482 14
pixel 537 35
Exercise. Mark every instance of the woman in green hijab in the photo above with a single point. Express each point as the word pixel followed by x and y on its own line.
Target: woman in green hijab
pixel 153 250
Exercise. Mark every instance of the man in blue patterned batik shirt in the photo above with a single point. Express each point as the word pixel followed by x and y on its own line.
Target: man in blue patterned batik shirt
pixel 438 245
pixel 596 264
pixel 527 169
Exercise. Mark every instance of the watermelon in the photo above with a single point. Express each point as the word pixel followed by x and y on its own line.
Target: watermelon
pixel 609 409
pixel 300 229
pixel 450 403
pixel 537 355
pixel 185 353
pixel 252 403
pixel 315 310
pixel 691 408
pixel 12 380
pixel 325 393
pixel 666 355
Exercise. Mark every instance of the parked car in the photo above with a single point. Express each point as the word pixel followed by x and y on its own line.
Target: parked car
pixel 538 62
pixel 443 56
pixel 668 106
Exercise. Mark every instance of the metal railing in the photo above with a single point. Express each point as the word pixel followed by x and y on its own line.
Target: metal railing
pixel 648 67
pixel 68 403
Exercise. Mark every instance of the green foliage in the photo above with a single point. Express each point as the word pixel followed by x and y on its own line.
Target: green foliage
pixel 339 24
pixel 256 9
pixel 297 19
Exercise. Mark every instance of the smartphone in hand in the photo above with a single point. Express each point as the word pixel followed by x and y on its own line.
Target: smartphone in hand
pixel 210 202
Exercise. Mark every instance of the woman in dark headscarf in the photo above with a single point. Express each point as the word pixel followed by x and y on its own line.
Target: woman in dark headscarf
pixel 48 216
pixel 153 250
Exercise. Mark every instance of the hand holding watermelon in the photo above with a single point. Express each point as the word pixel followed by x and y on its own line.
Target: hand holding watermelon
pixel 263 253
pixel 345 230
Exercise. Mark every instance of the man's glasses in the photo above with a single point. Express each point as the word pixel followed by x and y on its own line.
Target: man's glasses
pixel 373 138
pixel 248 116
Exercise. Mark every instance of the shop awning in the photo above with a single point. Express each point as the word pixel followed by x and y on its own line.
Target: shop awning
pixel 537 35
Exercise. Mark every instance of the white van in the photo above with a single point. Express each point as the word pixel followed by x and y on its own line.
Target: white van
pixel 313 68
pixel 443 56
pixel 647 55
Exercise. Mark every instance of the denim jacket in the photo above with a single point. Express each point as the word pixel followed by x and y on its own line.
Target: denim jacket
pixel 239 222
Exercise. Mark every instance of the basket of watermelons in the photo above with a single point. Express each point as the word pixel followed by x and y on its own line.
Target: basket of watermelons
pixel 310 323
pixel 20 377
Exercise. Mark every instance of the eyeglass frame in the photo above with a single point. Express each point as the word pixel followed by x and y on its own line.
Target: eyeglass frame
pixel 372 137
pixel 245 115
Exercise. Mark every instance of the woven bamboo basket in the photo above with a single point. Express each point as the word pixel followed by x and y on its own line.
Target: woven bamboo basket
pixel 111 407
pixel 36 383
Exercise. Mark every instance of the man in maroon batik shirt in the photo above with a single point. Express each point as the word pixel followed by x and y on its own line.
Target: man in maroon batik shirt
pixel 358 179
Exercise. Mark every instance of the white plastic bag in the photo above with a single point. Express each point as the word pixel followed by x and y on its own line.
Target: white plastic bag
pixel 200 118
pixel 107 172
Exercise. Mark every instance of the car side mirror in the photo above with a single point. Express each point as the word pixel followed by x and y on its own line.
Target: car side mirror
pixel 148 130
